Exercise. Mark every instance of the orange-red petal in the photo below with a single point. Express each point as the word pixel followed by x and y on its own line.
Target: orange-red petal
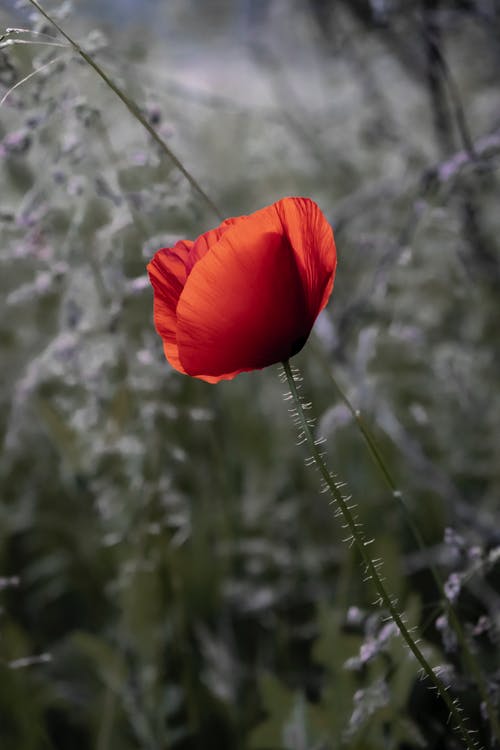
pixel 245 304
pixel 311 238
pixel 167 272
pixel 246 294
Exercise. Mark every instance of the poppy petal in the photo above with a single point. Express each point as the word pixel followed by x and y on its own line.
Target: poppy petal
pixel 245 294
pixel 311 238
pixel 243 305
pixel 167 272
pixel 206 241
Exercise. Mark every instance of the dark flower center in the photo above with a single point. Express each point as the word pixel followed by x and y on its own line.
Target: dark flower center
pixel 297 345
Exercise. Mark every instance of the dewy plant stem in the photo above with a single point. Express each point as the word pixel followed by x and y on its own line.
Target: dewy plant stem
pixel 358 538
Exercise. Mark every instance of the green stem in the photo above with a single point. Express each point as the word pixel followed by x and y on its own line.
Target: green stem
pixel 133 108
pixel 468 656
pixel 358 538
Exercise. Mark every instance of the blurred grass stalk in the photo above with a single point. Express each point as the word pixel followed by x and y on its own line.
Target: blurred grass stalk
pixel 468 656
pixel 134 110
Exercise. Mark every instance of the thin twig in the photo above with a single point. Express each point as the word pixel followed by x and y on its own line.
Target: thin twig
pixel 30 75
pixel 13 42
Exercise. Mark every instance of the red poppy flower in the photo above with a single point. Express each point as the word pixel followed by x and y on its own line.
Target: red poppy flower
pixel 245 295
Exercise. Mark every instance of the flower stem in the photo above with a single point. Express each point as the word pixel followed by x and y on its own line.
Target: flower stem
pixel 359 540
pixel 468 656
pixel 133 108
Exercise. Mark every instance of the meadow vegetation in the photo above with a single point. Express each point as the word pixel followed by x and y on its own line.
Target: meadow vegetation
pixel 170 575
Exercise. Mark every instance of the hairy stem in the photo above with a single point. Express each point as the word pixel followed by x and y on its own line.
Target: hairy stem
pixel 359 540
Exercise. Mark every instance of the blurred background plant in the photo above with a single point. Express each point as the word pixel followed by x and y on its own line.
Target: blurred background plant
pixel 170 576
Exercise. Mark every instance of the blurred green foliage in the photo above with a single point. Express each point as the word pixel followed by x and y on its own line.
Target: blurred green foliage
pixel 170 576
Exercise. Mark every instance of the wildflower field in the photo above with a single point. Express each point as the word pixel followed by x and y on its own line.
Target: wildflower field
pixel 188 565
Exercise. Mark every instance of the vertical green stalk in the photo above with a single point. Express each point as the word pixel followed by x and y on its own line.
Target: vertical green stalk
pixel 358 538
pixel 469 658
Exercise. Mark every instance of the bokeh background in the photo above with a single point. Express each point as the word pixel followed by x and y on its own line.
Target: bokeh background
pixel 170 576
